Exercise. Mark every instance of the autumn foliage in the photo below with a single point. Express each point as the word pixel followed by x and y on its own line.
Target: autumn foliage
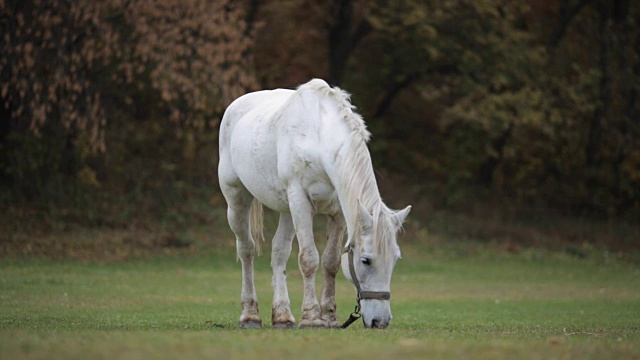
pixel 63 60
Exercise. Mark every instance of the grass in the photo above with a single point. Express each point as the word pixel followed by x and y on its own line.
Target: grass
pixel 451 301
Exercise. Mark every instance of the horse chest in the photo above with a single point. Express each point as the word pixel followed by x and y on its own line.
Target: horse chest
pixel 323 198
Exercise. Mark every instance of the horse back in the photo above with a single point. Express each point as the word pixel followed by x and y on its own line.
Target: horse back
pixel 259 101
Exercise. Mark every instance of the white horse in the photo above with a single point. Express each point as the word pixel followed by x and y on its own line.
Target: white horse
pixel 302 153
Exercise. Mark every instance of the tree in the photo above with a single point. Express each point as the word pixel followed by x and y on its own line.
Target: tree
pixel 60 58
pixel 93 92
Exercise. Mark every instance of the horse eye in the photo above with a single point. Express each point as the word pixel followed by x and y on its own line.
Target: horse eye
pixel 365 261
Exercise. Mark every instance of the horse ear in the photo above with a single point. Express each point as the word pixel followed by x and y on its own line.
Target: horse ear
pixel 366 220
pixel 401 215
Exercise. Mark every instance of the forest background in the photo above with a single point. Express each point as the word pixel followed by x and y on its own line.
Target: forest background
pixel 487 111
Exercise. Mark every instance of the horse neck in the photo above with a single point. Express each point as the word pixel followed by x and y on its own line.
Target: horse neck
pixel 357 183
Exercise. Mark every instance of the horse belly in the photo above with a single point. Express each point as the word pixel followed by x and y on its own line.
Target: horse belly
pixel 269 194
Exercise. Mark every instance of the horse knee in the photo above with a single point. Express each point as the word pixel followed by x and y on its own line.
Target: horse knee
pixel 309 261
pixel 331 262
pixel 245 249
pixel 331 269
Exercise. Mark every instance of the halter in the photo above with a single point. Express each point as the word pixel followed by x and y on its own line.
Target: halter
pixel 361 295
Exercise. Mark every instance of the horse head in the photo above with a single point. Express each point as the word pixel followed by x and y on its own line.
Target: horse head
pixel 369 268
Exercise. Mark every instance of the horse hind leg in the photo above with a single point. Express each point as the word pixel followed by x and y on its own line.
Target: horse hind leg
pixel 330 266
pixel 238 212
pixel 281 316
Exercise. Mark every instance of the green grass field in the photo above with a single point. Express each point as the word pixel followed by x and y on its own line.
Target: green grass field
pixel 459 302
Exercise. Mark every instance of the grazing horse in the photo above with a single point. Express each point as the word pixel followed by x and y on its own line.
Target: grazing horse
pixel 303 152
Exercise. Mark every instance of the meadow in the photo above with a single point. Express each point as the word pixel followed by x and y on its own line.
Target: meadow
pixel 451 301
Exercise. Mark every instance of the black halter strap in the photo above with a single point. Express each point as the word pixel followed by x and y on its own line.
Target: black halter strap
pixel 361 295
pixel 364 295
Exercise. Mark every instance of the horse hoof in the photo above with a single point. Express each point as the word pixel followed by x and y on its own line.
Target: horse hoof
pixel 284 325
pixel 251 324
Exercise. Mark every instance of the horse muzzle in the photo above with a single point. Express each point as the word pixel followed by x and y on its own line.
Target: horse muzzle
pixel 376 313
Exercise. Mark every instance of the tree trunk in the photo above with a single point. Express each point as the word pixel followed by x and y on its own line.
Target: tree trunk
pixel 567 13
pixel 387 100
pixel 595 125
pixel 485 174
pixel 250 19
pixel 343 38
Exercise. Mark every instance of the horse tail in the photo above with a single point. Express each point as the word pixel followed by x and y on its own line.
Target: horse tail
pixel 257 220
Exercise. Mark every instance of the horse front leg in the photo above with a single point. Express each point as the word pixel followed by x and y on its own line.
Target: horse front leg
pixel 281 316
pixel 308 258
pixel 330 266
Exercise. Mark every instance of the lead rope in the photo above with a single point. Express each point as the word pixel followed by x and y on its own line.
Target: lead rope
pixel 355 315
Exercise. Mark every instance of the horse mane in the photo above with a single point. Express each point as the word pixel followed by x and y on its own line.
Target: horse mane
pixel 356 176
pixel 342 99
